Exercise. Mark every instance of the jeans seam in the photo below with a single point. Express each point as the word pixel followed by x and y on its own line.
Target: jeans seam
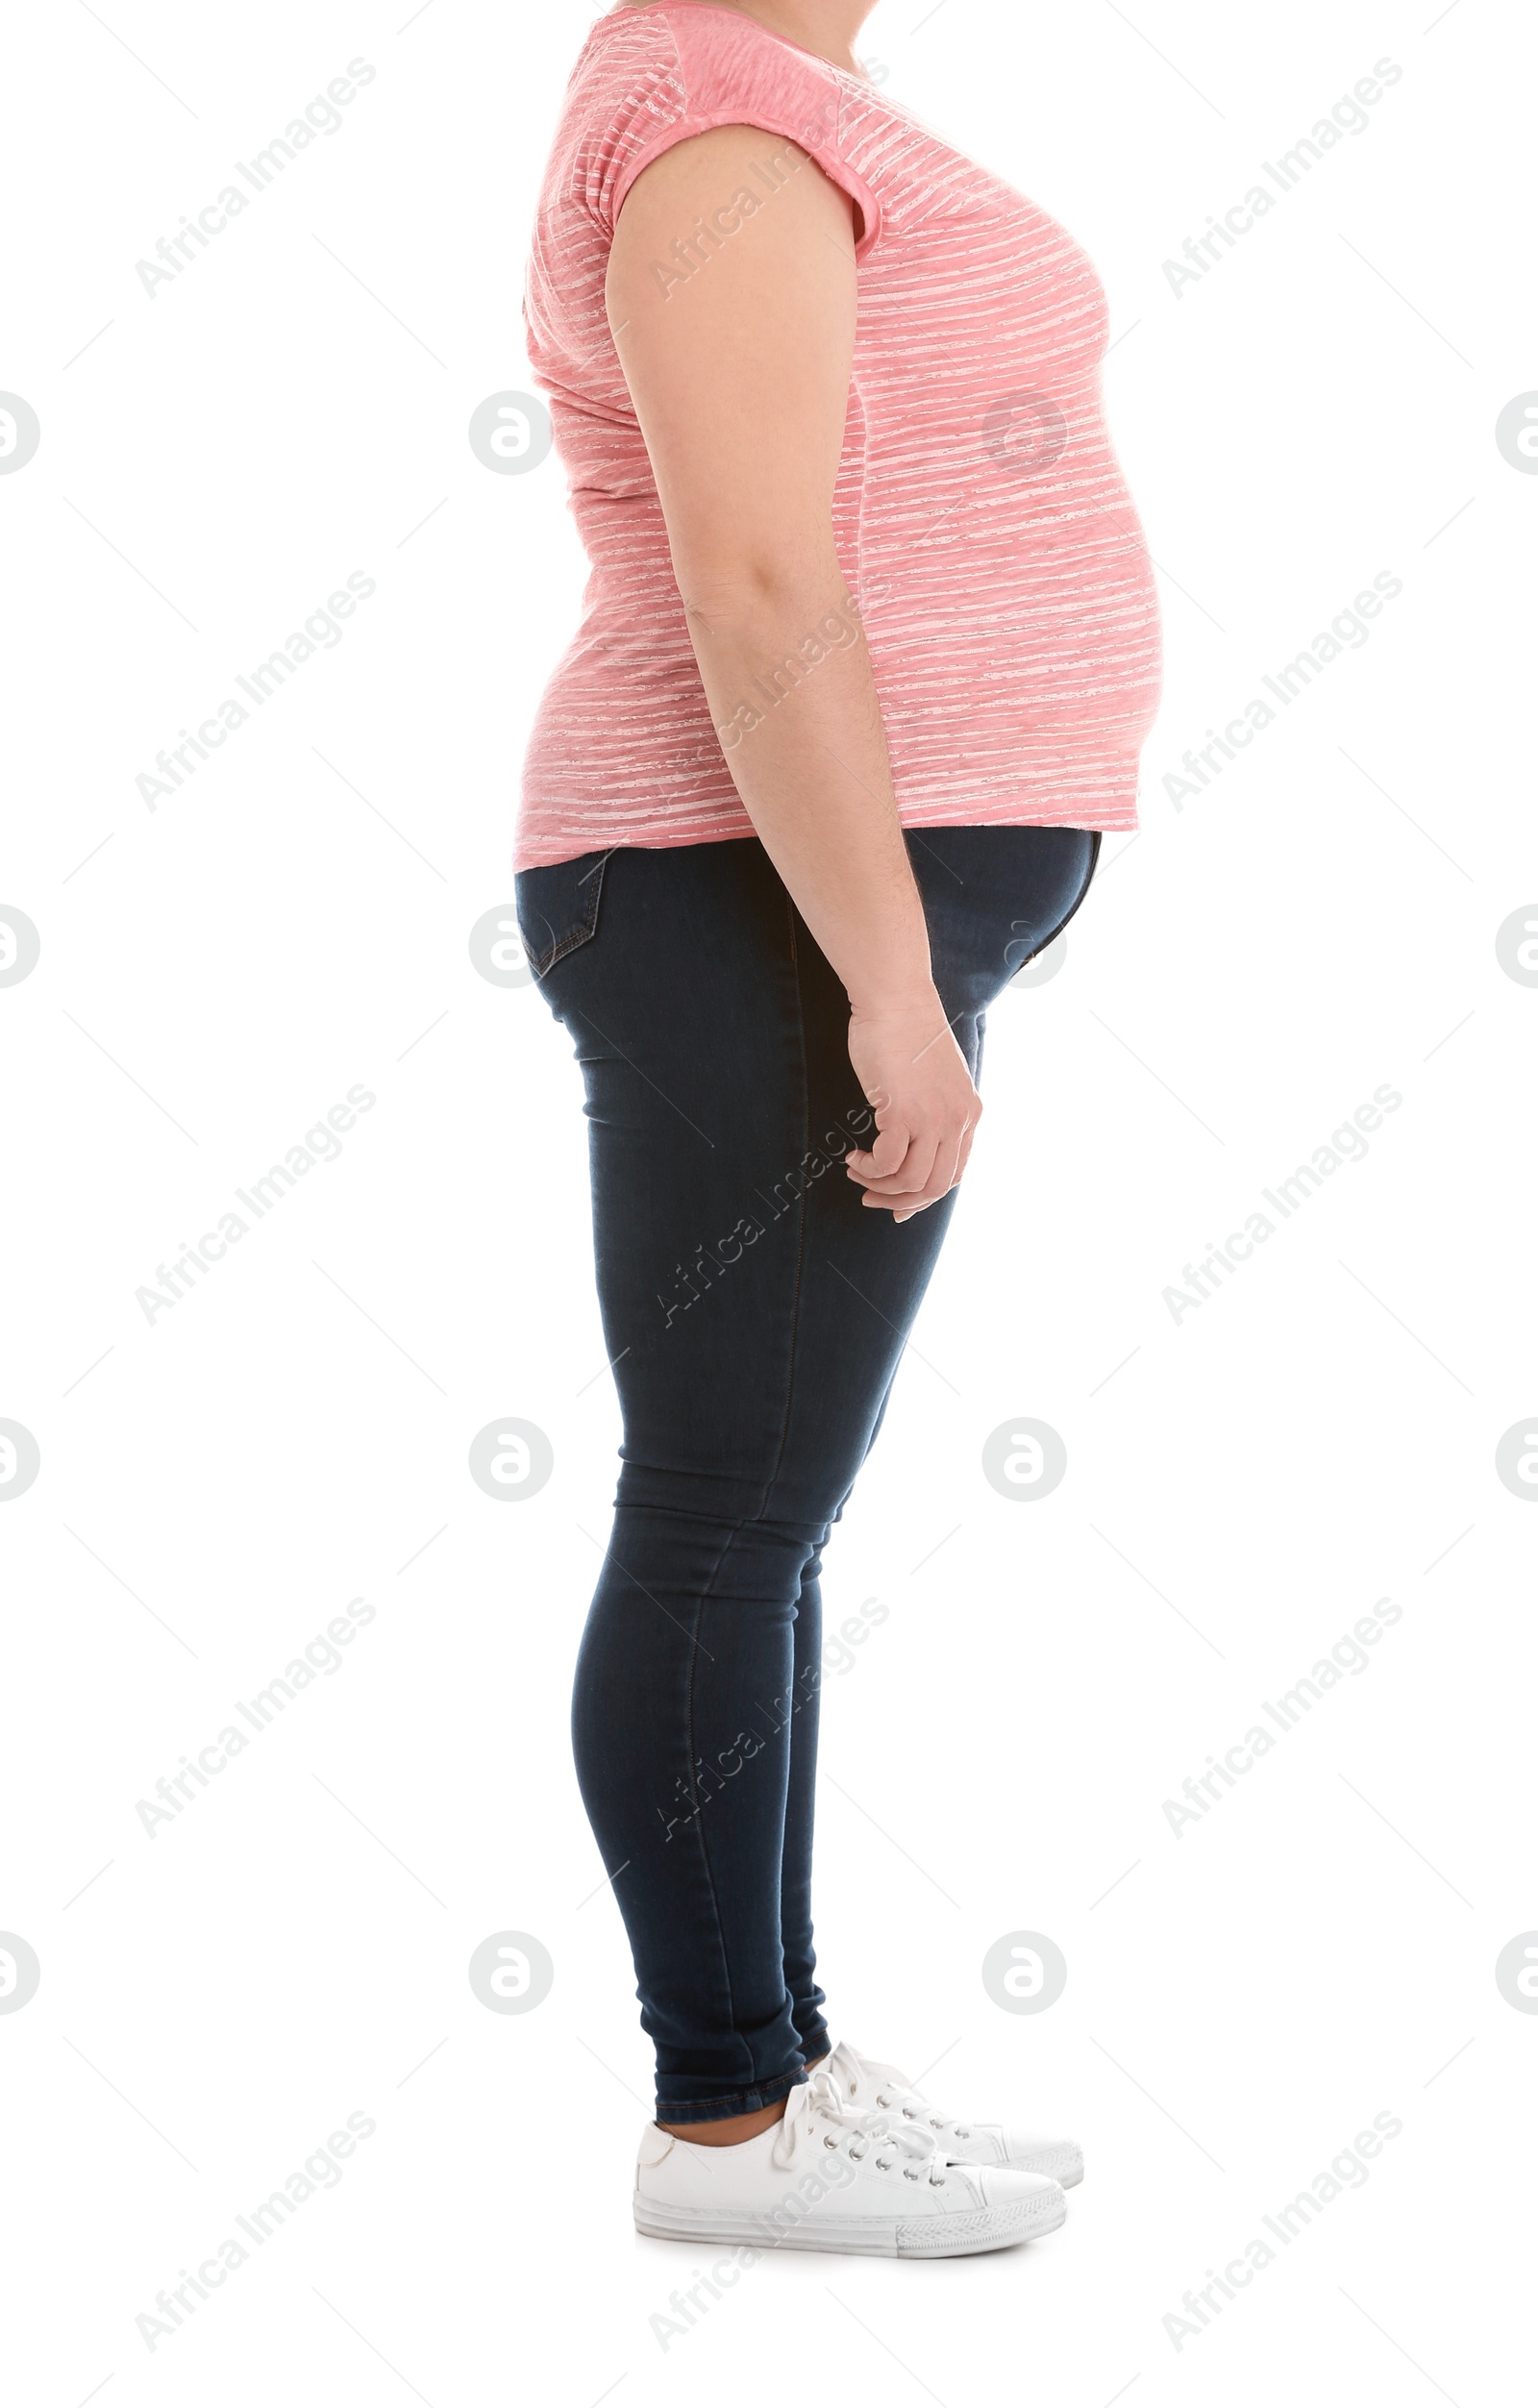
pixel 695 1644
pixel 801 1202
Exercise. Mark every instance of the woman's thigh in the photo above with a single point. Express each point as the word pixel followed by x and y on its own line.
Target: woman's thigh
pixel 753 1308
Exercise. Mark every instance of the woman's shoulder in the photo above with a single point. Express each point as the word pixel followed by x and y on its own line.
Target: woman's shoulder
pixel 716 53
pixel 650 76
pixel 624 41
pixel 625 89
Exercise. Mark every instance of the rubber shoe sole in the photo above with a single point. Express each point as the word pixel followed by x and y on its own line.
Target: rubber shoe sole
pixel 862 2236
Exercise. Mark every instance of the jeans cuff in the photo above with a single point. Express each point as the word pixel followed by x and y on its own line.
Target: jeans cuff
pixel 737 2102
pixel 816 2041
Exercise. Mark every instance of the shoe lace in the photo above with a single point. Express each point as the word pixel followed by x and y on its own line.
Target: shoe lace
pixel 874 2093
pixel 816 2118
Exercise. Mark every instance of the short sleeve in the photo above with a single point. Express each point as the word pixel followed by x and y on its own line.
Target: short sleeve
pixel 634 97
pixel 729 70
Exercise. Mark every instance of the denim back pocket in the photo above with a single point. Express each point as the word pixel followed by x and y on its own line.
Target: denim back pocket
pixel 558 908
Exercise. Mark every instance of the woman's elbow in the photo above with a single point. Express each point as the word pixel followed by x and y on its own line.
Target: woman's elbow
pixel 750 588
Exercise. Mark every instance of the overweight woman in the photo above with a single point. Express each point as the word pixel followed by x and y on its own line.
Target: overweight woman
pixel 868 653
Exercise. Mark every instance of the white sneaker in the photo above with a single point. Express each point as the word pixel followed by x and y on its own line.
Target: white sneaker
pixel 820 2180
pixel 881 2098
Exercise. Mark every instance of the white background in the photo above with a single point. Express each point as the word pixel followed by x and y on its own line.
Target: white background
pixel 1242 1484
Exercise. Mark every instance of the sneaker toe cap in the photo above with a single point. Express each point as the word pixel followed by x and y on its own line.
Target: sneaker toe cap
pixel 1007 2186
pixel 1033 2152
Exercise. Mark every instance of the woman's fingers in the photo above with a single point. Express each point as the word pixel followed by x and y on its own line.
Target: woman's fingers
pixel 911 1182
pixel 906 1172
pixel 885 1160
pixel 900 1172
pixel 964 1152
pixel 926 1106
pixel 923 1180
pixel 931 1167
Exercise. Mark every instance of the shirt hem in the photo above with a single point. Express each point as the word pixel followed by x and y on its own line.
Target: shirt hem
pixel 1101 819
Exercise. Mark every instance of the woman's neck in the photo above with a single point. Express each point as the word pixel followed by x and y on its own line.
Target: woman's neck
pixel 826 27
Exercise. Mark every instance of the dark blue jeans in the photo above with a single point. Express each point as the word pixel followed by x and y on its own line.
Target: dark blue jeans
pixel 754 1313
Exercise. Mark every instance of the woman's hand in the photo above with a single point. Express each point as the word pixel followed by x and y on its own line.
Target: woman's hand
pixel 927 1108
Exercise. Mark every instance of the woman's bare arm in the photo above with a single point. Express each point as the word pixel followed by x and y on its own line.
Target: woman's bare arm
pixel 737 352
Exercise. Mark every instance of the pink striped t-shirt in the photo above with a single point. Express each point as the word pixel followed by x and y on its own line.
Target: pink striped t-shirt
pixel 980 516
